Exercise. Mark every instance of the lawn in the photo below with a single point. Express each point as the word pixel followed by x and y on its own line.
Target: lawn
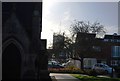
pixel 92 78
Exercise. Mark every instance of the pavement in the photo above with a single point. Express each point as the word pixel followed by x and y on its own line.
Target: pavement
pixel 68 77
pixel 62 77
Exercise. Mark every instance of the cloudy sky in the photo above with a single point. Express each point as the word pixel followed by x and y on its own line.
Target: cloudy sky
pixel 57 16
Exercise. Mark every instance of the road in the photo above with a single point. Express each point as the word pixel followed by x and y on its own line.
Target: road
pixel 62 77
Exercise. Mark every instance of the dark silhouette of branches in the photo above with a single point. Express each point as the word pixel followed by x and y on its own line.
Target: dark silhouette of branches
pixel 86 27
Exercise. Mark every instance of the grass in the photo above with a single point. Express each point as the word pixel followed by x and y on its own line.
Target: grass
pixel 92 78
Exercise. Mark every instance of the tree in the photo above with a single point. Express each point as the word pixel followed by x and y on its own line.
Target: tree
pixel 97 28
pixel 68 45
pixel 85 27
pixel 62 43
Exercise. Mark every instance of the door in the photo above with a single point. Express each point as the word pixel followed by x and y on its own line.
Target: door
pixel 11 62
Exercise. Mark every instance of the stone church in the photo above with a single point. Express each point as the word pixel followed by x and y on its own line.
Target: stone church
pixel 24 53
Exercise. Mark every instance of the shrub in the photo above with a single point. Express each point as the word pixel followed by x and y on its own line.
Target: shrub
pixel 70 69
pixel 117 70
pixel 90 72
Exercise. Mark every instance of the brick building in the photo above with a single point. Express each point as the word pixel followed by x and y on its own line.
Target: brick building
pixel 106 50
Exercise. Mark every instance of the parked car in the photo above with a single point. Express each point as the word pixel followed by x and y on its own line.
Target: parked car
pixel 66 64
pixel 100 67
pixel 52 64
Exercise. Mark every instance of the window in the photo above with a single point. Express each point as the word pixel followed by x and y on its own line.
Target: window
pixel 104 62
pixel 106 40
pixel 96 65
pixel 115 51
pixel 96 48
pixel 118 40
pixel 114 62
pixel 101 65
pixel 112 40
pixel 89 63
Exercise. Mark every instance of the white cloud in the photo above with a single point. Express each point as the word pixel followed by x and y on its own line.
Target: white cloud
pixel 66 16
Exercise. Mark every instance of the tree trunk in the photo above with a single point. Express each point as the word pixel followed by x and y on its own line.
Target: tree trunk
pixel 82 63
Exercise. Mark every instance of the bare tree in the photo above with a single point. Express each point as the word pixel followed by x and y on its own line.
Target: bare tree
pixel 85 27
pixel 97 28
pixel 62 43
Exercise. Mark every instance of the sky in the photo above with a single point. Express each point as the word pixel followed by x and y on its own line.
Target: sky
pixel 58 16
